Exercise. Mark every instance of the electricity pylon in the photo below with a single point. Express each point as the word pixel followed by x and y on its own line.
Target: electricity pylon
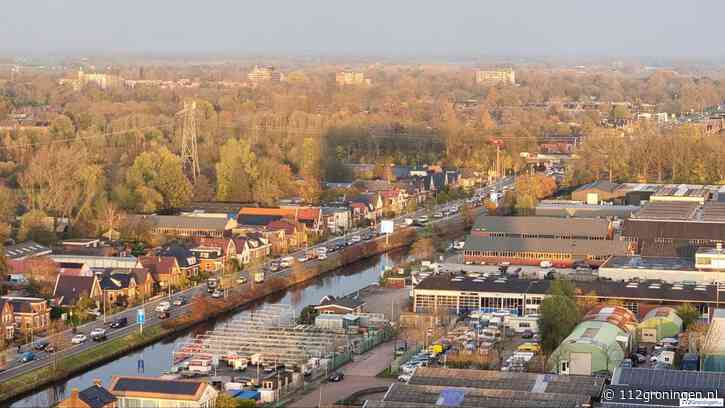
pixel 189 152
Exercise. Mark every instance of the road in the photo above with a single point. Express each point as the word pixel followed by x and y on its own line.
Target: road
pixel 42 359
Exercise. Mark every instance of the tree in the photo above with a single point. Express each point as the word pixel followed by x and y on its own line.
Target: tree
pixel 34 226
pixel 8 204
pixel 226 401
pixel 307 315
pixel 83 306
pixel 236 171
pixel 423 248
pixel 310 171
pixel 689 315
pixel 157 181
pixel 559 315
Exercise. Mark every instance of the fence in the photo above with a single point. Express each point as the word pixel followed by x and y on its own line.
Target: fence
pixel 371 341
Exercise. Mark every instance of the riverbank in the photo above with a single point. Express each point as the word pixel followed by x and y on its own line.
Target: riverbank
pixel 209 309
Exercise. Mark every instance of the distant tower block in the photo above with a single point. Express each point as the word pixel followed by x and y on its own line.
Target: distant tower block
pixel 189 152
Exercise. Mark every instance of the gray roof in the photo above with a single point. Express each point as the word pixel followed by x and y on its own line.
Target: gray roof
pixel 603 185
pixel 568 246
pixel 579 210
pixel 196 222
pixel 156 385
pixel 650 262
pixel 348 302
pixel 577 227
pixel 25 249
pixel 603 288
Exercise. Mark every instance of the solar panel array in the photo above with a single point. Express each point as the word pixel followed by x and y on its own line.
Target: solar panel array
pixel 430 396
pixel 666 210
pixel 713 211
pixel 673 379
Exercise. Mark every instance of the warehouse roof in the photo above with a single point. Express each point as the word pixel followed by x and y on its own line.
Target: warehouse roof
pixel 668 210
pixel 190 222
pixel 649 262
pixel 568 246
pixel 558 208
pixel 645 290
pixel 603 185
pixel 584 227
pixel 670 379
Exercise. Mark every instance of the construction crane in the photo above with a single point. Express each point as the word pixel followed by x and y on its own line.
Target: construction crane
pixel 189 152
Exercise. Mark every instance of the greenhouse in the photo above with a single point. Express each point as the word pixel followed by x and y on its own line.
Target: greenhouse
pixel 593 347
pixel 659 323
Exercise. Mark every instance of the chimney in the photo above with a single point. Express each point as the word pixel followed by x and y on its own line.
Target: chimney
pixel 97 382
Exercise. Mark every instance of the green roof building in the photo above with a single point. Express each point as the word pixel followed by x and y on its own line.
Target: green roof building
pixel 659 323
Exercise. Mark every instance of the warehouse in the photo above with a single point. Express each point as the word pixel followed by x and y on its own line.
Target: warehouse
pixel 597 345
pixel 541 227
pixel 667 269
pixel 659 323
pixel 597 191
pixel 462 294
pixel 713 351
pixel 434 387
pixel 574 209
pixel 676 229
pixel 532 251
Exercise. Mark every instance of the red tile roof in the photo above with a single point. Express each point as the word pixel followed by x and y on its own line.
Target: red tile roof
pixel 160 265
pixel 287 226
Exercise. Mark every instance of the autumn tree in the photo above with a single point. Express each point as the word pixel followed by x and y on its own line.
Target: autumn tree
pixel 423 248
pixel 236 171
pixel 559 314
pixel 310 171
pixel 157 181
pixel 34 226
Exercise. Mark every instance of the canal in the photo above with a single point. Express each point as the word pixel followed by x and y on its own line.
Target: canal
pixel 156 358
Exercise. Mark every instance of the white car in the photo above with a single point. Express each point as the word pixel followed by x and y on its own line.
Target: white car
pixel 98 331
pixel 404 377
pixel 322 257
pixel 79 339
pixel 163 306
pixel 302 258
pixel 356 238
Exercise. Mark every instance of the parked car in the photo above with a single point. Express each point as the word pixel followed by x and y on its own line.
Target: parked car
pixel 356 238
pixel 217 294
pixel 404 377
pixel 163 306
pixel 98 334
pixel 322 257
pixel 164 315
pixel 40 345
pixel 119 322
pixel 527 334
pixel 179 301
pixel 336 377
pixel 79 339
pixel 242 280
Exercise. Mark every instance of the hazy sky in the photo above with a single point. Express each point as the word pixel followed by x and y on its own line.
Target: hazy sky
pixel 380 27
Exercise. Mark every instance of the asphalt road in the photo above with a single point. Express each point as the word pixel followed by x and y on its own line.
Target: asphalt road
pixel 42 359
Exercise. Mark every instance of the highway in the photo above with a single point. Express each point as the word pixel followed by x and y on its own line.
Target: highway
pixel 42 359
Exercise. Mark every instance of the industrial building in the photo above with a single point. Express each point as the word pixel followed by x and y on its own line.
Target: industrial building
pixel 541 227
pixel 667 269
pixel 597 192
pixel 576 209
pixel 676 229
pixel 598 344
pixel 462 294
pixel 659 323
pixel 434 387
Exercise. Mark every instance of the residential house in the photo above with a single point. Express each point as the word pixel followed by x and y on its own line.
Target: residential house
pixel 214 253
pixel 257 245
pixel 276 238
pixel 31 315
pixel 119 287
pixel 95 396
pixel 25 250
pixel 187 260
pixel 374 203
pixel 7 321
pixel 311 217
pixel 191 225
pixel 295 234
pixel 394 200
pixel 69 288
pixel 340 305
pixel 337 219
pixel 164 270
pixel 159 392
pixel 359 211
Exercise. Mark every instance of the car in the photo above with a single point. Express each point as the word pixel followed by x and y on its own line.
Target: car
pixel 438 215
pixel 302 258
pixel 404 377
pixel 527 334
pixel 179 301
pixel 79 339
pixel 217 294
pixel 50 348
pixel 163 306
pixel 242 280
pixel 273 268
pixel 27 357
pixel 641 358
pixel 98 334
pixel 530 347
pixel 40 345
pixel 164 315
pixel 336 377
pixel 119 322
pixel 322 257
pixel 356 238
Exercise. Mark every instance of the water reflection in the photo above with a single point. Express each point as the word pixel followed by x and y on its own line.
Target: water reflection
pixel 156 358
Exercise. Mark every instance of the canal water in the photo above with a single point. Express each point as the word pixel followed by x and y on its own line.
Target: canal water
pixel 155 359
